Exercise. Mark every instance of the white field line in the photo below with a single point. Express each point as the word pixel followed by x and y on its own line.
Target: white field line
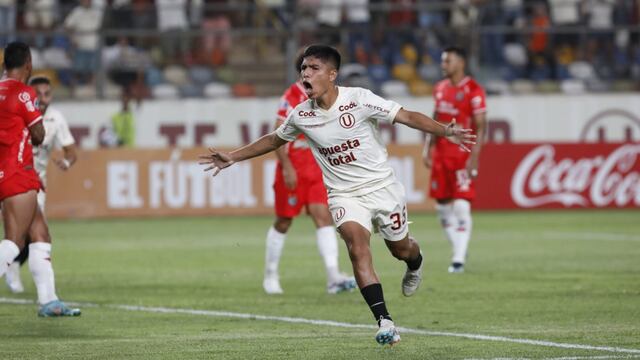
pixel 604 357
pixel 228 314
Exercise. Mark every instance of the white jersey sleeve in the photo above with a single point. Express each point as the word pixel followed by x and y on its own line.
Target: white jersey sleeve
pixel 379 108
pixel 63 135
pixel 289 131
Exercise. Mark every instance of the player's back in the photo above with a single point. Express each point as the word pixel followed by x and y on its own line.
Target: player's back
pixel 17 113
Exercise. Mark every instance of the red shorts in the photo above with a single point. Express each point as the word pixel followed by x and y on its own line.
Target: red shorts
pixel 20 182
pixel 309 190
pixel 450 180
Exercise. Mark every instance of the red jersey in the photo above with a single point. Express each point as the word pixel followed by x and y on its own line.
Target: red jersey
pixel 18 112
pixel 461 102
pixel 298 151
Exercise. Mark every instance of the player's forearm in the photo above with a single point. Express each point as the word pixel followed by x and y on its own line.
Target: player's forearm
pixel 282 156
pixel 259 147
pixel 481 125
pixel 70 154
pixel 422 122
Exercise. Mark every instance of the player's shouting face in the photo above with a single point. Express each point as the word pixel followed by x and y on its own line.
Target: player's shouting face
pixel 318 76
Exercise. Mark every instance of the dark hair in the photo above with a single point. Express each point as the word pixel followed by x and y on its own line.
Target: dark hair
pixel 16 54
pixel 323 52
pixel 457 50
pixel 298 64
pixel 39 80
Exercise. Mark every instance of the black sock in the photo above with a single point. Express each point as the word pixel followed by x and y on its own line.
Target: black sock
pixel 23 256
pixel 415 263
pixel 372 294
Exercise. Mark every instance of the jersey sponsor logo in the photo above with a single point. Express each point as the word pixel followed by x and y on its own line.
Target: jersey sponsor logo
pixel 602 180
pixel 341 151
pixel 347 120
pixel 347 107
pixel 377 108
pixel 339 213
pixel 307 113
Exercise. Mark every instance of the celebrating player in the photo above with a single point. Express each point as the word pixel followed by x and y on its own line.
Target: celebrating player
pixel 20 120
pixel 298 184
pixel 459 98
pixel 57 135
pixel 340 124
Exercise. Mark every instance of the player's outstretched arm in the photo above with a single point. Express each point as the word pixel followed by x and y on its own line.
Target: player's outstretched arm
pixel 452 132
pixel 218 160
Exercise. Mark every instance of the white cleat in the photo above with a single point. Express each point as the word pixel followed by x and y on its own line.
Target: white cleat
pixel 271 285
pixel 12 277
pixel 411 280
pixel 456 268
pixel 387 333
pixel 344 283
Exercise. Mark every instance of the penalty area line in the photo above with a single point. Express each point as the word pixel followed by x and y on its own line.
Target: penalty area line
pixel 298 320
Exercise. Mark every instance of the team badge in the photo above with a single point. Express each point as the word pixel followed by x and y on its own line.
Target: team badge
pixel 339 213
pixel 292 200
pixel 459 96
pixel 347 120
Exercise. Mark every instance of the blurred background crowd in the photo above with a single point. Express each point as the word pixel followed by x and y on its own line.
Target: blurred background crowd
pixel 216 48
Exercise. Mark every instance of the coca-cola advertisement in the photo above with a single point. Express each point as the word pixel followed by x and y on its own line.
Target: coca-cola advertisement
pixel 532 176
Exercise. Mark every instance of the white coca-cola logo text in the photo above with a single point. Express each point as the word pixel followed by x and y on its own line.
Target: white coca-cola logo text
pixel 600 181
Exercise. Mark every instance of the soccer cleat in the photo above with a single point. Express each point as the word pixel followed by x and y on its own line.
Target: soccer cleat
pixel 271 285
pixel 411 280
pixel 387 333
pixel 12 277
pixel 57 308
pixel 456 268
pixel 344 283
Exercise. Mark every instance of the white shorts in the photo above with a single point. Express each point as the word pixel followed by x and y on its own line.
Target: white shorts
pixel 385 209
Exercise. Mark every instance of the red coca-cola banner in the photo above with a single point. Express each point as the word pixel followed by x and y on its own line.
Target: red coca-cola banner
pixel 578 175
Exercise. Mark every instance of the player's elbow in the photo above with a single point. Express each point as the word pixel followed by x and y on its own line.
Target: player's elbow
pixel 37 137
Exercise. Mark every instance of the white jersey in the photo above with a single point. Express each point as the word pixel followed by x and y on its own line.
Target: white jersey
pixel 57 135
pixel 345 140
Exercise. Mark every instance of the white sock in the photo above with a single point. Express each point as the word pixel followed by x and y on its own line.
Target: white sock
pixel 448 222
pixel 8 252
pixel 275 242
pixel 12 274
pixel 42 271
pixel 328 248
pixel 462 211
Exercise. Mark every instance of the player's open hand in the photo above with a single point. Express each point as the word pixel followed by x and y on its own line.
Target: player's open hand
pixel 461 137
pixel 217 160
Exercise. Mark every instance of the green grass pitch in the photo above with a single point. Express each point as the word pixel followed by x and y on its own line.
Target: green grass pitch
pixel 559 276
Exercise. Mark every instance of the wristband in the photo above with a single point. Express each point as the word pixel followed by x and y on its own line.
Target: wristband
pixel 66 163
pixel 474 172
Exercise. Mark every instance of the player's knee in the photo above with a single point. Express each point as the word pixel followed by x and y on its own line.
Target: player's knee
pixel 282 224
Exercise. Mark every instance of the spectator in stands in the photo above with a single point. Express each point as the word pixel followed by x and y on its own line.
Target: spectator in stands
pixel 172 23
pixel 564 15
pixel 125 64
pixel 7 21
pixel 216 25
pixel 541 62
pixel 83 23
pixel 123 123
pixel 600 44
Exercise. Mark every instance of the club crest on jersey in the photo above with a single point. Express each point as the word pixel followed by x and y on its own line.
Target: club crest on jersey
pixel 24 97
pixel 339 213
pixel 347 120
pixel 459 96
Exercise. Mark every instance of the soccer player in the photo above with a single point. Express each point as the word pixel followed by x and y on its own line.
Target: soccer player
pixel 20 120
pixel 340 124
pixel 298 184
pixel 461 98
pixel 57 135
